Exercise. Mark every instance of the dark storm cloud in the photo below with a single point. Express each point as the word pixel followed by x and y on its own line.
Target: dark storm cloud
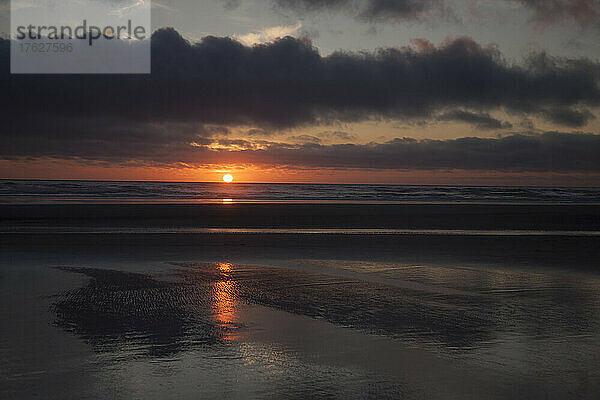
pixel 197 93
pixel 287 83
pixel 553 151
pixel 397 10
pixel 102 139
pixel 367 10
pixel 479 120
pixel 569 117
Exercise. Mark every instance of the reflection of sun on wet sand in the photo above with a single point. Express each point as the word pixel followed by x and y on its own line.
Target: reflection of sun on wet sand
pixel 140 315
pixel 224 300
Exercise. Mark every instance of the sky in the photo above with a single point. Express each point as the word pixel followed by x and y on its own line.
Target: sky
pixel 473 92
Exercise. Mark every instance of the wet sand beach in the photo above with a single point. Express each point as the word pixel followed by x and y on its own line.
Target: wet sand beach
pixel 374 215
pixel 439 304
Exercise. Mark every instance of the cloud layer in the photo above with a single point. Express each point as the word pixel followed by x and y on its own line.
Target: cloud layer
pixel 287 83
pixel 114 142
pixel 169 117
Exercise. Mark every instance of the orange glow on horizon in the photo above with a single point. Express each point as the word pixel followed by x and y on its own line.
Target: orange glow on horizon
pixel 68 170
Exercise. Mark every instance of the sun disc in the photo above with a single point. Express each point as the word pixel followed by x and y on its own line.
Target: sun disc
pixel 227 178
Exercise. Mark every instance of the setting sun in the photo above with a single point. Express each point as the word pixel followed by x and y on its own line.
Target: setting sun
pixel 227 178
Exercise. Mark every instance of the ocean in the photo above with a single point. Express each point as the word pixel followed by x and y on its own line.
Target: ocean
pixel 31 190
